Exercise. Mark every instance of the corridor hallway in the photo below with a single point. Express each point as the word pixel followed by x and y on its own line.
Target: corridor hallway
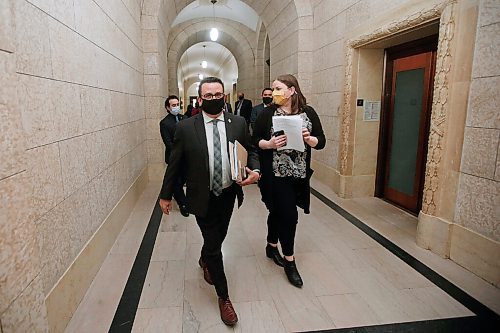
pixel 350 280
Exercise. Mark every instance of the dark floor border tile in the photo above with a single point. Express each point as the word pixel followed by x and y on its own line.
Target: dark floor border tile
pixel 448 325
pixel 486 318
pixel 127 308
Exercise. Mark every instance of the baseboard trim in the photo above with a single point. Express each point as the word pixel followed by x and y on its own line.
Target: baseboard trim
pixel 64 298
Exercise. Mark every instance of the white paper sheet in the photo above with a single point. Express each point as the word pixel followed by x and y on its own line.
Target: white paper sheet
pixel 292 126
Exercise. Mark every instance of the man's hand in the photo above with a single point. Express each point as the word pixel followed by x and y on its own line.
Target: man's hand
pixel 252 177
pixel 165 205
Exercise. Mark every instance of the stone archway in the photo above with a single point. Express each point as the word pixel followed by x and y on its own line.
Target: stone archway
pixel 192 32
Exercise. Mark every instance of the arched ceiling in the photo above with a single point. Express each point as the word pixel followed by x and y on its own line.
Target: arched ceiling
pixel 220 63
pixel 227 9
pixel 235 39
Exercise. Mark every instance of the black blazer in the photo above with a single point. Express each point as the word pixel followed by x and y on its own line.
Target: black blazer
pixel 190 153
pixel 262 130
pixel 246 109
pixel 167 131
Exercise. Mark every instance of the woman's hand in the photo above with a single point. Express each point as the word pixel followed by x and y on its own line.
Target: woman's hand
pixel 274 143
pixel 312 141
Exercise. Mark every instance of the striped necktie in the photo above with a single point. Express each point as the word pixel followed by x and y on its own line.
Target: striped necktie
pixel 217 177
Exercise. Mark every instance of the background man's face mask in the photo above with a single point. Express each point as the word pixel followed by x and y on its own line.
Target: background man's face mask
pixel 175 110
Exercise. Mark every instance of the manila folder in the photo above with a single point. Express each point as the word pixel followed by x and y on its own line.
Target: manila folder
pixel 238 160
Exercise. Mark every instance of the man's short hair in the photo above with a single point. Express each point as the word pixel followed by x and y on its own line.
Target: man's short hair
pixel 167 101
pixel 210 79
pixel 262 93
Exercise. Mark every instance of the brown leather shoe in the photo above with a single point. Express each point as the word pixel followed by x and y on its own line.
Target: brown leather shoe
pixel 206 273
pixel 227 313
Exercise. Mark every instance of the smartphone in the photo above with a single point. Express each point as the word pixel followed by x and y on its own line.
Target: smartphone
pixel 278 133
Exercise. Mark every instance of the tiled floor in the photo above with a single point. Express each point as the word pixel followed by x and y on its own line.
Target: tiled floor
pixel 349 279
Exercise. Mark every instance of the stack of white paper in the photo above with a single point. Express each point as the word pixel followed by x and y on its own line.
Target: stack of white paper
pixel 292 126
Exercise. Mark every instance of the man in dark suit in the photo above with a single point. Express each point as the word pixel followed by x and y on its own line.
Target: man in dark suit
pixel 167 131
pixel 201 148
pixel 267 99
pixel 243 107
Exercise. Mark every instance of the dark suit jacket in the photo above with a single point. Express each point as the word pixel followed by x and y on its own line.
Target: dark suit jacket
pixel 246 109
pixel 190 153
pixel 255 112
pixel 167 131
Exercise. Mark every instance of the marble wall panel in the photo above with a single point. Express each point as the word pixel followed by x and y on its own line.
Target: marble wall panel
pixel 7 26
pixel 483 103
pixel 12 141
pixel 33 51
pixel 477 205
pixel 54 244
pixel 326 10
pixel 156 151
pixel 77 163
pixel 151 63
pixel 44 171
pixel 96 109
pixel 489 12
pixel 154 107
pixel 152 85
pixel 61 10
pixel 136 107
pixel 479 155
pixel 50 110
pixel 153 129
pixel 126 15
pixel 150 41
pixel 28 312
pixel 77 216
pixel 487 52
pixel 96 25
pixel 19 257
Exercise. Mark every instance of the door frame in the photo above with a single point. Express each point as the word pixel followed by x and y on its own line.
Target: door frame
pixel 427 44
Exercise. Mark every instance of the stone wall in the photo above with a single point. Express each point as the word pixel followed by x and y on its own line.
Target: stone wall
pixel 74 136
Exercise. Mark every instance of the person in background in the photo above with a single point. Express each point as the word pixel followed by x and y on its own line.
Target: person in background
pixel 284 184
pixel 267 99
pixel 243 107
pixel 189 109
pixel 167 131
pixel 201 148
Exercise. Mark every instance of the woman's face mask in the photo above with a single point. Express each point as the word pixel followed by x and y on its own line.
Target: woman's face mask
pixel 279 97
pixel 175 110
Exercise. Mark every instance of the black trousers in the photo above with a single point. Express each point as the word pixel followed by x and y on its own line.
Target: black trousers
pixel 283 216
pixel 214 230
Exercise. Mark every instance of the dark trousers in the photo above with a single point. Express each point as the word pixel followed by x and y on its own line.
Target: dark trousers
pixel 179 195
pixel 283 217
pixel 214 229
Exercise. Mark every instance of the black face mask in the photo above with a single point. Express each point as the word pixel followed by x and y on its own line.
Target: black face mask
pixel 213 106
pixel 240 97
pixel 267 100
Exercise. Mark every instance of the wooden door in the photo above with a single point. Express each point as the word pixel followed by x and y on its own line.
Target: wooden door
pixel 407 108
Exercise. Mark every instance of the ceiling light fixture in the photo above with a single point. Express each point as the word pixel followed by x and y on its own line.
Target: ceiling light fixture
pixel 214 33
pixel 204 62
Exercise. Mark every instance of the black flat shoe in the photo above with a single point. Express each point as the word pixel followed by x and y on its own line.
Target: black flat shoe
pixel 273 253
pixel 293 274
pixel 184 211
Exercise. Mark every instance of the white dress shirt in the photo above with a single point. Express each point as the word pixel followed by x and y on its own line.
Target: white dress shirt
pixel 209 130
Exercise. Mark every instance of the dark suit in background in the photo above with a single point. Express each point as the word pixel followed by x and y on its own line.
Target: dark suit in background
pixel 243 108
pixel 167 130
pixel 190 153
pixel 255 113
